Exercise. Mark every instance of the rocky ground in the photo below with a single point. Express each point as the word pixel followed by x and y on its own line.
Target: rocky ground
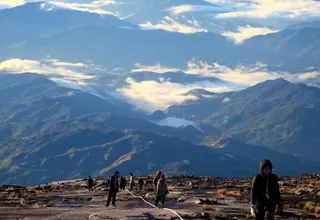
pixel 191 197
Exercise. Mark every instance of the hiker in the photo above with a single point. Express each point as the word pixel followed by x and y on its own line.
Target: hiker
pixel 123 183
pixel 113 189
pixel 265 193
pixel 156 178
pixel 140 184
pixel 131 181
pixel 161 191
pixel 90 184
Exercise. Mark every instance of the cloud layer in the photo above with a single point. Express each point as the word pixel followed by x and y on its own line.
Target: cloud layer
pixel 274 11
pixel 151 95
pixel 173 25
pixel 50 67
pixel 247 32
pixel 181 9
pixel 96 6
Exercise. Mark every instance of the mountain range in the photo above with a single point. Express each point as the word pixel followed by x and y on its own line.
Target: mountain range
pixel 76 86
pixel 118 43
pixel 49 132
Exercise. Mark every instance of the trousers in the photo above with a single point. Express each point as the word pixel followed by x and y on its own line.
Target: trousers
pixel 266 208
pixel 161 199
pixel 112 195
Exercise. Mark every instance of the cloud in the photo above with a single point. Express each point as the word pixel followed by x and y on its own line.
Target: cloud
pixel 280 9
pixel 180 9
pixel 170 24
pixel 64 74
pixel 46 67
pixel 78 85
pixel 239 77
pixel 226 100
pixel 309 75
pixel 69 84
pixel 155 68
pixel 247 32
pixel 56 62
pixel 12 3
pixel 152 95
pixel 96 6
pixel 93 7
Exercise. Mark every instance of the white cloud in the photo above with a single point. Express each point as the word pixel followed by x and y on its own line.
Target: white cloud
pixel 45 67
pixel 155 68
pixel 287 9
pixel 247 32
pixel 93 7
pixel 56 62
pixel 226 100
pixel 241 75
pixel 96 6
pixel 78 85
pixel 12 3
pixel 69 84
pixel 180 9
pixel 309 75
pixel 151 95
pixel 170 24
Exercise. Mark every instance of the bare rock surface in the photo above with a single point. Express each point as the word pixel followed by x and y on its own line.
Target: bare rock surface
pixel 205 198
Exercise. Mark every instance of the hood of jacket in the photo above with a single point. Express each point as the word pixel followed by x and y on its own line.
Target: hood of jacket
pixel 265 163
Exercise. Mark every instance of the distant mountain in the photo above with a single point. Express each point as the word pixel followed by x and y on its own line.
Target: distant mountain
pixel 35 97
pixel 294 50
pixel 115 43
pixel 202 12
pixel 275 113
pixel 35 19
pixel 123 47
pixel 307 24
pixel 31 102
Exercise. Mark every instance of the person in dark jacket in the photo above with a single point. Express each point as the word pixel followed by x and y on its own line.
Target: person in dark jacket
pixel 265 192
pixel 90 184
pixel 140 184
pixel 123 183
pixel 113 189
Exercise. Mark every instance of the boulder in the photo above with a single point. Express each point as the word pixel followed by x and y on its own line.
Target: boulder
pixel 183 198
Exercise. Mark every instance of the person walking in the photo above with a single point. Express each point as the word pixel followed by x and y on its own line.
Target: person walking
pixel 90 184
pixel 265 193
pixel 155 179
pixel 131 181
pixel 123 183
pixel 140 184
pixel 113 189
pixel 161 191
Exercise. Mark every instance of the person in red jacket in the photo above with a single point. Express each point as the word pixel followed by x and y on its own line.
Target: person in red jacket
pixel 156 178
